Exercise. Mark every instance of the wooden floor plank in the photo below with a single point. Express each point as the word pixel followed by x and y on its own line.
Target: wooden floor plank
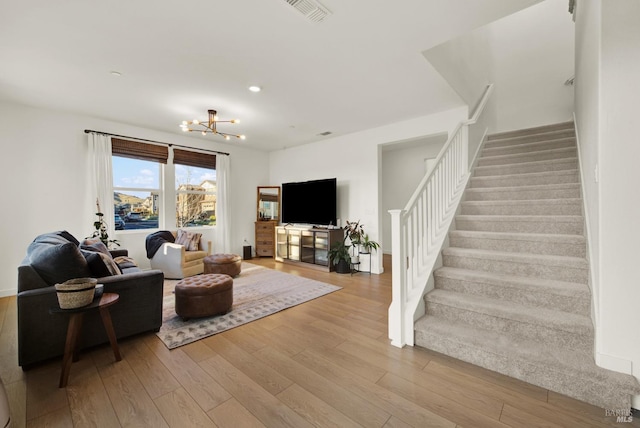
pixel 314 410
pixel 207 392
pixel 255 369
pixel 88 400
pixel 180 410
pixel 232 414
pixel 438 404
pixel 354 407
pixel 380 397
pixel 131 403
pixel 264 406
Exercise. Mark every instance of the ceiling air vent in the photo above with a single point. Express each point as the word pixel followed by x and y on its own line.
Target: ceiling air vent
pixel 325 133
pixel 311 9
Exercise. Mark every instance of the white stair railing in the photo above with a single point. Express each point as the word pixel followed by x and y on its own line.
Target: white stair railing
pixel 419 230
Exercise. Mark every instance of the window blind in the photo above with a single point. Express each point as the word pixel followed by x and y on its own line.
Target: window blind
pixel 138 150
pixel 191 158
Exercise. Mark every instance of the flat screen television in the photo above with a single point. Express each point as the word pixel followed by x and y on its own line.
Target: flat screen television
pixel 309 202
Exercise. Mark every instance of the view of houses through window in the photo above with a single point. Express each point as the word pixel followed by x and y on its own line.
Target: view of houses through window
pixel 137 192
pixel 195 196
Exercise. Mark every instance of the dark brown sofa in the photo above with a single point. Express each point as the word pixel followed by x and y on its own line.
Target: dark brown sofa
pixel 56 257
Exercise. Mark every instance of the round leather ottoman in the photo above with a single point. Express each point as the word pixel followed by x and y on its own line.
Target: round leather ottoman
pixel 204 295
pixel 223 263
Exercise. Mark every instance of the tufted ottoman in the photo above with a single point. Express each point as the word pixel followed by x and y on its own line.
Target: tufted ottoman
pixel 223 263
pixel 204 295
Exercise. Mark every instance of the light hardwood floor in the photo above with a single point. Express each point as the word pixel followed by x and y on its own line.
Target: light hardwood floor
pixel 323 363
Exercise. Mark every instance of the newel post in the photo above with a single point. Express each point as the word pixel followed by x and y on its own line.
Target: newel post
pixel 398 282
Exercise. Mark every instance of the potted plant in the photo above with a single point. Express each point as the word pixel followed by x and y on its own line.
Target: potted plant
pixel 340 257
pixel 354 231
pixel 367 245
pixel 101 230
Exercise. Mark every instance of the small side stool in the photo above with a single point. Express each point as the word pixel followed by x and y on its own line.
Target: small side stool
pixel 204 295
pixel 229 264
pixel 75 326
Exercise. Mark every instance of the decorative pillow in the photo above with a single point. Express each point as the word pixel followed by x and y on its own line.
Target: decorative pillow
pixel 95 245
pixel 125 262
pixel 190 240
pixel 96 265
pixel 109 266
pixel 58 263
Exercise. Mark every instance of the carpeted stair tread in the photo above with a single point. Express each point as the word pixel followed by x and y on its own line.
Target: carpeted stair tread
pixel 560 295
pixel 527 179
pixel 527 157
pixel 561 320
pixel 527 167
pixel 558 224
pixel 576 262
pixel 559 369
pixel 536 243
pixel 528 146
pixel 563 268
pixel 565 206
pixel 537 130
pixel 524 139
pixel 540 191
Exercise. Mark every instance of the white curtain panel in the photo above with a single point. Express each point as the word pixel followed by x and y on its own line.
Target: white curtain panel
pixel 223 227
pixel 101 178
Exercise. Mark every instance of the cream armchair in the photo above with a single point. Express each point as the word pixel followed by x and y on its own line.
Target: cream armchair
pixel 178 263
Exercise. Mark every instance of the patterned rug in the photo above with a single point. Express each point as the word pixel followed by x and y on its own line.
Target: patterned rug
pixel 257 293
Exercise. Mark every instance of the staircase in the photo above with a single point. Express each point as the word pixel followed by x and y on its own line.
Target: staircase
pixel 513 295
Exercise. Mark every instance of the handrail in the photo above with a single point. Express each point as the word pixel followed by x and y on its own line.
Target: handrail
pixel 419 230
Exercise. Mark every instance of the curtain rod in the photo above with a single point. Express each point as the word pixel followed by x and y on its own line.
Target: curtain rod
pixel 86 131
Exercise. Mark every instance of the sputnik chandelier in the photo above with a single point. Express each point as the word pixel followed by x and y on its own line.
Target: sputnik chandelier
pixel 209 127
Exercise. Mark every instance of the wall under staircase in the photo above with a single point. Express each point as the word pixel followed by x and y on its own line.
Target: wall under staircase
pixel 512 294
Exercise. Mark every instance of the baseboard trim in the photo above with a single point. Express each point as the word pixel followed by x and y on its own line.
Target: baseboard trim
pixel 7 292
pixel 616 364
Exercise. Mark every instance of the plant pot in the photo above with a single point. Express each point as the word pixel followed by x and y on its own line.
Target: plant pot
pixel 343 266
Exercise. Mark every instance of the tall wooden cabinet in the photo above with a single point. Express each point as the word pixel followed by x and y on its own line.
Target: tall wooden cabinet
pixel 265 238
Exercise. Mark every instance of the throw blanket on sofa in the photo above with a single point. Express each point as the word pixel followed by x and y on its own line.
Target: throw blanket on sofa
pixel 155 241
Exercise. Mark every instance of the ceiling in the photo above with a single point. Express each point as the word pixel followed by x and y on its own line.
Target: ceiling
pixel 361 67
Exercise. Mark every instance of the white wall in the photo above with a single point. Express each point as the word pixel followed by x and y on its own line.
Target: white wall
pixel 608 67
pixel 403 166
pixel 587 112
pixel 44 171
pixel 353 159
pixel 527 55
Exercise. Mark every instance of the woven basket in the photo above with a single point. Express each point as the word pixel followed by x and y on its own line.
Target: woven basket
pixel 76 292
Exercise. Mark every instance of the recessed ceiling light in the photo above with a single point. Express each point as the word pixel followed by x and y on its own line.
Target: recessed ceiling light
pixel 255 88
pixel 116 73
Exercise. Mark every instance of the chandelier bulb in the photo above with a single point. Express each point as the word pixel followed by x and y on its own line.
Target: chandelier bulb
pixel 185 129
pixel 226 137
pixel 242 137
pixel 185 123
pixel 215 118
pixel 196 122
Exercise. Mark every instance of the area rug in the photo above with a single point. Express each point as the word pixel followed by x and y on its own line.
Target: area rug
pixel 257 293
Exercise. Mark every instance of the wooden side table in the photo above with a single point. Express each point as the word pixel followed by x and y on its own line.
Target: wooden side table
pixel 75 326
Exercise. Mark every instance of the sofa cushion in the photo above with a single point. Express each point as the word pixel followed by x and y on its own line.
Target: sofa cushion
pixel 56 263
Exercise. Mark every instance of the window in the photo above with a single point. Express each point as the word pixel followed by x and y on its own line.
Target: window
pixel 136 183
pixel 195 188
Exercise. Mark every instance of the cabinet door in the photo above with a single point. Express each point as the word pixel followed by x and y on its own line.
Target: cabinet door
pixel 282 247
pixel 321 248
pixel 307 246
pixel 293 237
